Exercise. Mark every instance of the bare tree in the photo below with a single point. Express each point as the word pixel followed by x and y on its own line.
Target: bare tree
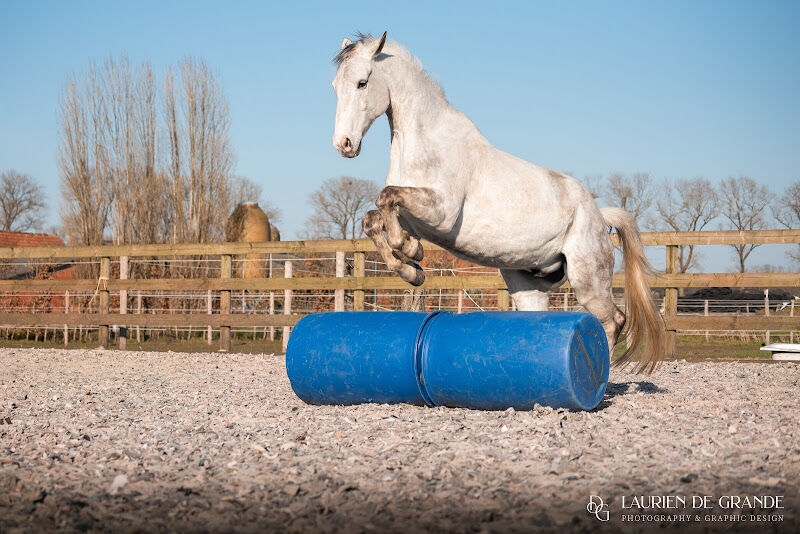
pixel 743 203
pixel 22 202
pixel 144 180
pixel 686 206
pixel 82 161
pixel 631 192
pixel 200 155
pixel 339 204
pixel 787 212
pixel 593 184
pixel 767 268
pixel 149 220
pixel 244 189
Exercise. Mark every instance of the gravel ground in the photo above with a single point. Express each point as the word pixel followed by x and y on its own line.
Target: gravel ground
pixel 156 442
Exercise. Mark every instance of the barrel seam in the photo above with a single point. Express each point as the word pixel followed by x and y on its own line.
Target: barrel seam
pixel 420 347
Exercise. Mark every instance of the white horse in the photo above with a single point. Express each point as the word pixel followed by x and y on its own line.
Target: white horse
pixel 449 185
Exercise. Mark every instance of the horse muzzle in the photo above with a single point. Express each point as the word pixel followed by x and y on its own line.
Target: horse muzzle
pixel 347 147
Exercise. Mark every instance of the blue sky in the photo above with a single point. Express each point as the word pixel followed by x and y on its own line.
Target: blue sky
pixel 679 89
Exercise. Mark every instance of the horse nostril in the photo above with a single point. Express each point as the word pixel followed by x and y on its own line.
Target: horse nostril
pixel 347 143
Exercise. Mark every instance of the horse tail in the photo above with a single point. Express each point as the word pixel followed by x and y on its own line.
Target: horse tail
pixel 645 325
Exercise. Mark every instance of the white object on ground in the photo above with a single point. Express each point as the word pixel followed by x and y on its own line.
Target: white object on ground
pixel 788 352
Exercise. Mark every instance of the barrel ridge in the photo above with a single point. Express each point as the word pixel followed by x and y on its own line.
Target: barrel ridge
pixel 420 347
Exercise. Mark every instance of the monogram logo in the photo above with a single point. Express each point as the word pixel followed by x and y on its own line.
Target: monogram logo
pixel 597 507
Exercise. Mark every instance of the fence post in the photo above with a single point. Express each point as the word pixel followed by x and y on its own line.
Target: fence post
pixel 226 267
pixel 460 301
pixel 338 295
pixel 272 312
pixel 671 298
pixel 209 311
pixel 138 312
pixel 102 285
pixel 359 272
pixel 705 313
pixel 502 299
pixel 66 310
pixel 565 305
pixel 791 314
pixel 271 329
pixel 287 303
pixel 123 302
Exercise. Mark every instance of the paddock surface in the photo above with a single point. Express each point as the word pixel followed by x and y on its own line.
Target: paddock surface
pixel 157 442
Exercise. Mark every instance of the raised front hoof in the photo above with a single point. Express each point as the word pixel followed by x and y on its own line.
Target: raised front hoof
pixel 412 273
pixel 412 248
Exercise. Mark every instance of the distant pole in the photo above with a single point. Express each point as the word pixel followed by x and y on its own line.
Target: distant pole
pixel 766 309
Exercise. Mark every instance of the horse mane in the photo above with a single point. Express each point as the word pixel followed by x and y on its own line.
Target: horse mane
pixel 391 48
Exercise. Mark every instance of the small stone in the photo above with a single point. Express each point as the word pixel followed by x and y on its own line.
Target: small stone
pixel 689 478
pixel 118 483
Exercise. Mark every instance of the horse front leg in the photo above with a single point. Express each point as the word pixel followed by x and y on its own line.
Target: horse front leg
pixel 408 270
pixel 422 203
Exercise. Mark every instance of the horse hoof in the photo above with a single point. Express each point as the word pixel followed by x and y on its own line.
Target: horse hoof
pixel 412 248
pixel 413 274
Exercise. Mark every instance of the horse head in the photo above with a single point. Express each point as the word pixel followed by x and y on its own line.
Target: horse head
pixel 361 91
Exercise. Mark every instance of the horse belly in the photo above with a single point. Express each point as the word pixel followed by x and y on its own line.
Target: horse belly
pixel 518 246
pixel 522 250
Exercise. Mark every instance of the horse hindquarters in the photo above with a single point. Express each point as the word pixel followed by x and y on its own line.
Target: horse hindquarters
pixel 590 270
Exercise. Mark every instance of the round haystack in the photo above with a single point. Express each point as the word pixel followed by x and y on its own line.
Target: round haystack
pixel 249 224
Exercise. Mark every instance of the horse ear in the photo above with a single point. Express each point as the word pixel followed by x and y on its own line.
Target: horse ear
pixel 346 42
pixel 379 46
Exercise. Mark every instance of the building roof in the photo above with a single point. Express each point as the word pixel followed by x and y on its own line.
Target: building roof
pixel 21 268
pixel 25 239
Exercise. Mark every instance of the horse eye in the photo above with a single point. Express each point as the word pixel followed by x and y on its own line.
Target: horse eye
pixel 362 84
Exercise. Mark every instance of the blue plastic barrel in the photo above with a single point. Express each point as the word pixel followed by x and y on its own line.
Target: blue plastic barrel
pixel 482 360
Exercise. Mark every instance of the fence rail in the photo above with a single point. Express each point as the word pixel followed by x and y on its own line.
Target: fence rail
pixel 358 284
pixel 365 245
pixel 686 280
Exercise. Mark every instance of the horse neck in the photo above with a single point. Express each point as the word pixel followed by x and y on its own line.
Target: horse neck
pixel 418 113
pixel 416 104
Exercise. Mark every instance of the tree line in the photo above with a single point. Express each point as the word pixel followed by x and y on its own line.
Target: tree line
pixel 694 204
pixel 144 160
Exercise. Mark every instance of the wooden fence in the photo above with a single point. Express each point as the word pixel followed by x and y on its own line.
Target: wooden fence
pixel 358 283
